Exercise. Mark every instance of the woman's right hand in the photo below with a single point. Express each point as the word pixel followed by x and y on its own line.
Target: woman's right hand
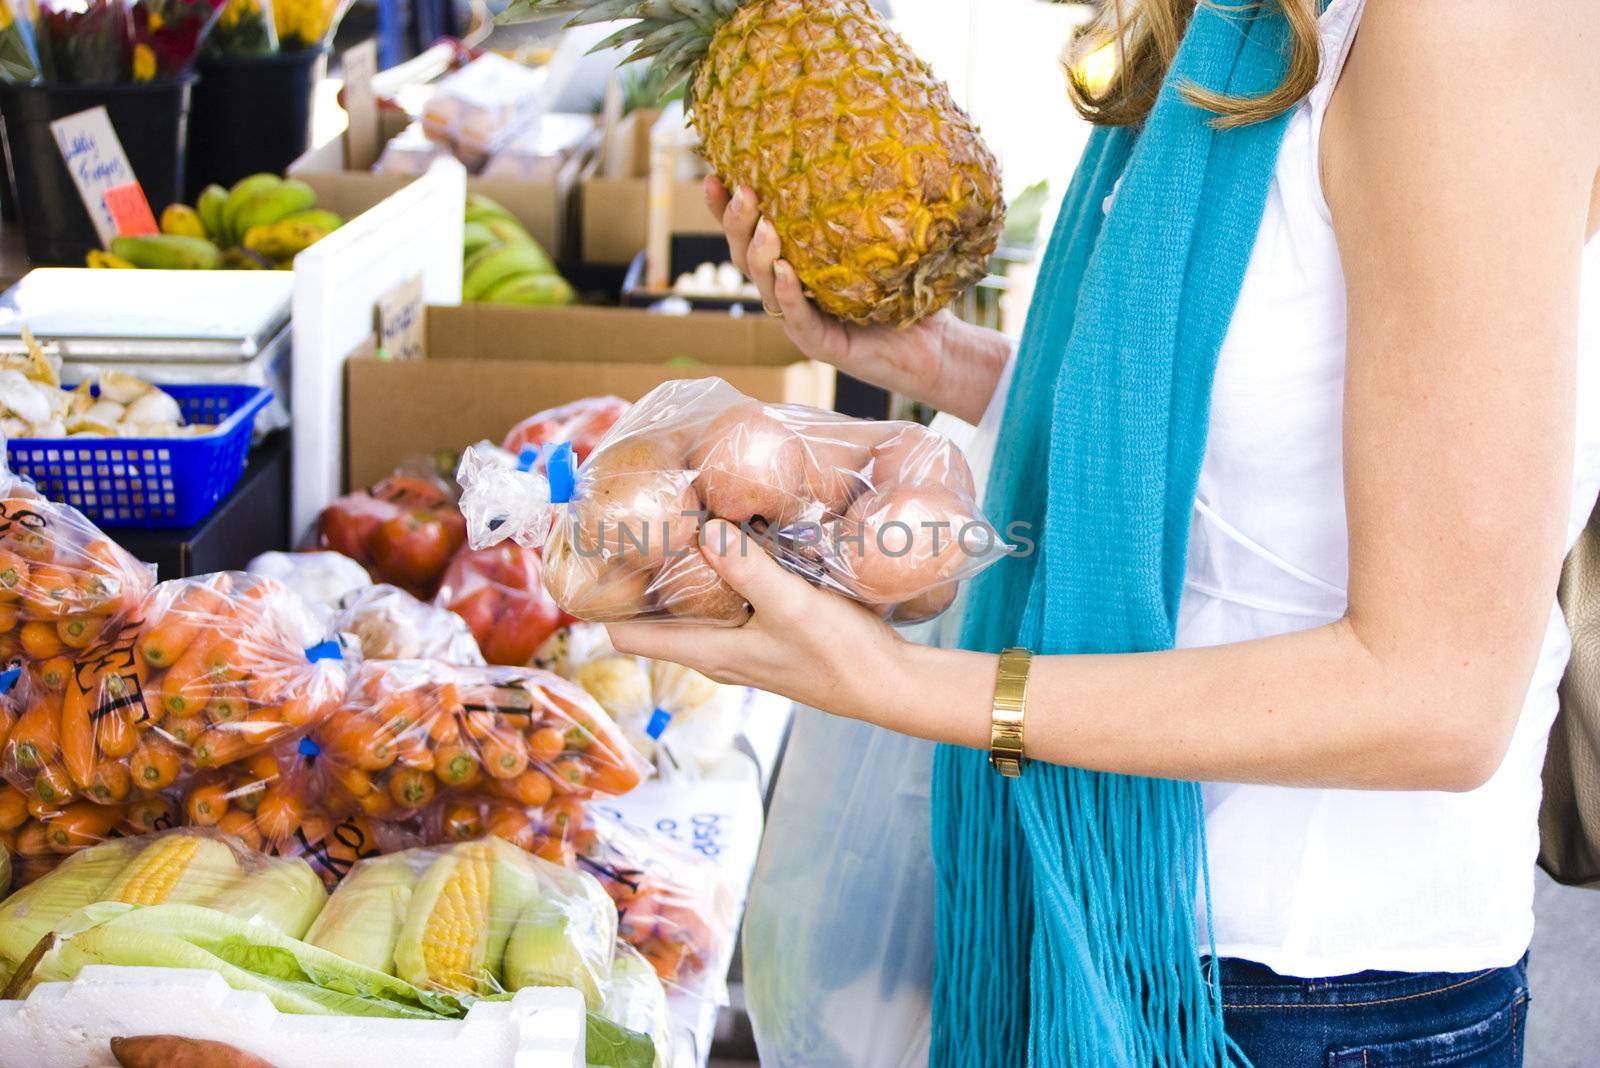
pixel 921 361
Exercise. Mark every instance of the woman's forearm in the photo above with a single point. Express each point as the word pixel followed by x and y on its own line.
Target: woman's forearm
pixel 951 366
pixel 1313 708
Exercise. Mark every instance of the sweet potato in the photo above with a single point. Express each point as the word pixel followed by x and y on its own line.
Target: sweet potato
pixel 175 1051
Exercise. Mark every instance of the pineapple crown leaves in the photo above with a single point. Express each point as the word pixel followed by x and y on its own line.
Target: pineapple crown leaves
pixel 673 34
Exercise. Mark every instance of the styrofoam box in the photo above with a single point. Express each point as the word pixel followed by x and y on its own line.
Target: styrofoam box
pixel 69 1025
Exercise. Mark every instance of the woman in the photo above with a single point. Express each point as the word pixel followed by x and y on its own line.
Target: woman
pixel 1403 442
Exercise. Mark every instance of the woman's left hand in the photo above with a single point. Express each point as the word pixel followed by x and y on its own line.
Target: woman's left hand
pixel 810 645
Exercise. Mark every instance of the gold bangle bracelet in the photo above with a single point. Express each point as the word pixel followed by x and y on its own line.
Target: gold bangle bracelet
pixel 1010 701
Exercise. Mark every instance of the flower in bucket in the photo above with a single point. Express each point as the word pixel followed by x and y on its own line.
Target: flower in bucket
pixel 245 28
pixel 306 24
pixel 168 34
pixel 84 42
pixel 19 56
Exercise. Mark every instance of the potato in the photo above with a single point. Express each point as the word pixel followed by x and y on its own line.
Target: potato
pixel 899 543
pixel 635 503
pixel 600 591
pixel 915 455
pixel 691 589
pixel 925 606
pixel 750 463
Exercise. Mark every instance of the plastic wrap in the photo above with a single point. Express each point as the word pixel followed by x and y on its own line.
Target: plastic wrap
pixel 539 151
pixel 412 732
pixel 477 917
pixel 190 867
pixel 638 1001
pixel 244 28
pixel 403 530
pixel 386 623
pixel 885 513
pixel 500 594
pixel 480 107
pixel 205 672
pixel 322 579
pixel 410 152
pixel 39 835
pixel 61 579
pixel 582 424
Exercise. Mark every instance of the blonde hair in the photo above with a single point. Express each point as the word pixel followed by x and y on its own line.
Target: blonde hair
pixel 1144 36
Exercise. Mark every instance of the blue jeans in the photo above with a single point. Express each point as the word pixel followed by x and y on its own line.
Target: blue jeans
pixel 1377 1019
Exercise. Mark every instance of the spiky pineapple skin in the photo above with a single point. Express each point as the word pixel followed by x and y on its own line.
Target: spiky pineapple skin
pixel 886 200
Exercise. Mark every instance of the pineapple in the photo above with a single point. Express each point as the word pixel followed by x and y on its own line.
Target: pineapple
pixel 885 199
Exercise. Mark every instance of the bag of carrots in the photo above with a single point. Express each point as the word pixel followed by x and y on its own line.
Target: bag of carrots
pixel 403 530
pixel 61 580
pixel 40 835
pixel 412 731
pixel 205 672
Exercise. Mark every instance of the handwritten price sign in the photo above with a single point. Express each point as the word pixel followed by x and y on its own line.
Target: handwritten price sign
pixel 100 170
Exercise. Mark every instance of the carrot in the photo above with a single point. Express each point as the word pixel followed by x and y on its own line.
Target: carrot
pixel 26 539
pixel 227 704
pixel 40 809
pixel 219 746
pixel 47 593
pixel 456 765
pixel 503 755
pixel 545 744
pixel 163 644
pixel 613 778
pixel 263 766
pixel 155 764
pixel 227 660
pixel 361 742
pixel 80 825
pixel 531 788
pixel 246 796
pixel 480 725
pixel 8 719
pixel 79 632
pixel 279 813
pixel 150 814
pixel 39 640
pixel 33 841
pixel 110 783
pixel 172 1051
pixel 10 616
pixel 186 687
pixel 33 738
pixel 8 841
pixel 207 804
pixel 185 730
pixel 356 782
pixel 14 573
pixel 13 808
pixel 77 730
pixel 241 825
pixel 51 786
pixel 512 825
pixel 378 805
pixel 54 673
pixel 115 735
pixel 413 751
pixel 462 822
pixel 411 788
pixel 571 775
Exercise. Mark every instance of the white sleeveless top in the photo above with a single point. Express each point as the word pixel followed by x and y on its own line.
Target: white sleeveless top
pixel 1329 882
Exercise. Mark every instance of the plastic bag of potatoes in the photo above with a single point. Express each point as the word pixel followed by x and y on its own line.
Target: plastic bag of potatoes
pixel 883 512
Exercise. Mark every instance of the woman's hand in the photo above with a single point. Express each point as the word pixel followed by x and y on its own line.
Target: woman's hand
pixel 807 644
pixel 940 361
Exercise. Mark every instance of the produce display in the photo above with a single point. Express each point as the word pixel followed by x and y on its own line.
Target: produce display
pixel 503 264
pixel 885 513
pixel 896 253
pixel 499 593
pixel 583 424
pixel 91 42
pixel 414 731
pixel 262 223
pixel 321 579
pixel 721 280
pixel 202 673
pixel 387 623
pixel 404 530
pixel 112 404
pixel 39 835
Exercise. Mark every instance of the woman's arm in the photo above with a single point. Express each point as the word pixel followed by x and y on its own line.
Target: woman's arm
pixel 943 362
pixel 1461 192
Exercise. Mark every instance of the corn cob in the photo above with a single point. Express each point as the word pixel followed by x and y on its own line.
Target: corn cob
pixel 35 910
pixel 362 921
pixel 286 895
pixel 177 869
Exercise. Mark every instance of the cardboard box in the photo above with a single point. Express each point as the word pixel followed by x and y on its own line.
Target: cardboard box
pixel 349 187
pixel 488 368
pixel 614 197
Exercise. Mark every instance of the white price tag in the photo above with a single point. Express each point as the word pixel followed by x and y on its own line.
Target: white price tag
pixel 360 64
pixel 400 313
pixel 105 179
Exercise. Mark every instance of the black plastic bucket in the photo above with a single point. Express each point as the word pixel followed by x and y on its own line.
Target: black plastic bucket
pixel 251 114
pixel 150 120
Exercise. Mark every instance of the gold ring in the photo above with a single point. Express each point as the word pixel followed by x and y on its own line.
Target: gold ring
pixel 776 313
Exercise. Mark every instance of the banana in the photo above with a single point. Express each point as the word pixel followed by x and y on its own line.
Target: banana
pixel 328 220
pixel 530 289
pixel 100 258
pixel 286 238
pixel 241 193
pixel 481 209
pixel 475 238
pixel 210 204
pixel 507 230
pixel 182 220
pixel 242 259
pixel 493 265
pixel 267 207
pixel 168 252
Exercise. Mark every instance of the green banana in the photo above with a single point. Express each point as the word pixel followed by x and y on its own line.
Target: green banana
pixel 270 205
pixel 530 289
pixel 285 238
pixel 494 265
pixel 168 252
pixel 242 259
pixel 320 217
pixel 475 237
pixel 183 220
pixel 210 203
pixel 480 209
pixel 241 193
pixel 508 231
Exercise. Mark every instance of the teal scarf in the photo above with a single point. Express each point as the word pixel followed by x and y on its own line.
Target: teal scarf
pixel 1066 900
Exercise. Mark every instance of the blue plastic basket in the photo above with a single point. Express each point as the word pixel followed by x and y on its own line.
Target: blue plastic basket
pixel 150 483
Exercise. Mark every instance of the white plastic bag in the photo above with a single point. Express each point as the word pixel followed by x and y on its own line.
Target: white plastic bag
pixel 838 937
